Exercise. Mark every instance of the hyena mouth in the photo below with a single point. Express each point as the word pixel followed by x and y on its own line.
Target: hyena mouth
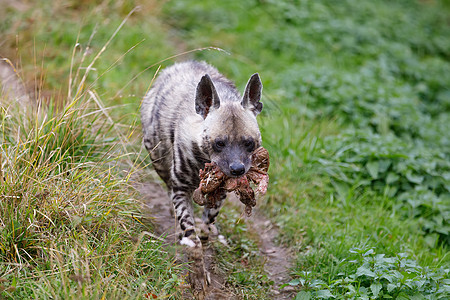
pixel 213 182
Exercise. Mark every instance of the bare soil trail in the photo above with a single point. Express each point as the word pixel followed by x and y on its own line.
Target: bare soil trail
pixel 11 86
pixel 277 258
pixel 157 203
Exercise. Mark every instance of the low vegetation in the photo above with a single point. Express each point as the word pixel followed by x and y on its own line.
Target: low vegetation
pixel 70 224
pixel 356 120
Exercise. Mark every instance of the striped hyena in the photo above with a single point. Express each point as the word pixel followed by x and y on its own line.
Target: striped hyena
pixel 193 115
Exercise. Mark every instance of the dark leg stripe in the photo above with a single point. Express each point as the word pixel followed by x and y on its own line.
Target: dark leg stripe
pixel 178 197
pixel 189 232
pixel 181 189
pixel 176 205
pixel 185 224
pixel 183 210
pixel 182 179
pixel 212 218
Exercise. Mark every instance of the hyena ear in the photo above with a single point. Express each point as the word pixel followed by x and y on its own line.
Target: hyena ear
pixel 252 94
pixel 206 96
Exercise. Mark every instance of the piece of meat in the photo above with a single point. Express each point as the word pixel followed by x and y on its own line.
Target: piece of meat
pixel 260 160
pixel 212 177
pixel 213 182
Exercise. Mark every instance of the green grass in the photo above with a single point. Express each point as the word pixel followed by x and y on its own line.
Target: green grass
pixel 331 68
pixel 241 259
pixel 70 224
pixel 355 118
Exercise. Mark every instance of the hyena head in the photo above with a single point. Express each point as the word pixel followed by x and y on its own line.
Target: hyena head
pixel 230 129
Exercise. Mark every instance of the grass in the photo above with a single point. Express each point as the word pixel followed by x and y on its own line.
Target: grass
pixel 70 221
pixel 241 259
pixel 356 116
pixel 350 120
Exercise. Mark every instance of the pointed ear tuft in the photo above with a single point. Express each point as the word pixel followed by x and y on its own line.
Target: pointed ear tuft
pixel 206 96
pixel 252 94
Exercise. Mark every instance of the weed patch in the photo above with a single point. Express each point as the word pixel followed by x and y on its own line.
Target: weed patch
pixel 67 225
pixel 377 276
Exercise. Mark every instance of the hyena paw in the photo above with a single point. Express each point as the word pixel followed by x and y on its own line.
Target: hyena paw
pixel 213 230
pixel 203 231
pixel 191 241
pixel 206 232
pixel 215 236
pixel 187 242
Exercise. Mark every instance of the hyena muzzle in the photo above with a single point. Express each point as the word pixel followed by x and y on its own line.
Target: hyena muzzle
pixel 193 115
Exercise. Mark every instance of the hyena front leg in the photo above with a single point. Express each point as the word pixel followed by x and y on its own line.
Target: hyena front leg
pixel 198 276
pixel 184 212
pixel 182 187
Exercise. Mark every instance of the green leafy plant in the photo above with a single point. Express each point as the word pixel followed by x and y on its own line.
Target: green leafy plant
pixel 416 178
pixel 376 276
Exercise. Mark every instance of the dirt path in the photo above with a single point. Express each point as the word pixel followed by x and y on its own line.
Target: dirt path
pixel 158 204
pixel 11 87
pixel 277 258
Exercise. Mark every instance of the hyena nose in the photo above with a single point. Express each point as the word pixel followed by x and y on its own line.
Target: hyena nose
pixel 237 169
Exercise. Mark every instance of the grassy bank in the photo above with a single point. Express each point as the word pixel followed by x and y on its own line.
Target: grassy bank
pixel 356 119
pixel 70 224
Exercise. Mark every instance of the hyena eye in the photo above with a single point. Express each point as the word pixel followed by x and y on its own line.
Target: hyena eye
pixel 249 145
pixel 219 145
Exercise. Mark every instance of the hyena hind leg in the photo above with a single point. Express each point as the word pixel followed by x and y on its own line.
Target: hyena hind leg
pixel 209 217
